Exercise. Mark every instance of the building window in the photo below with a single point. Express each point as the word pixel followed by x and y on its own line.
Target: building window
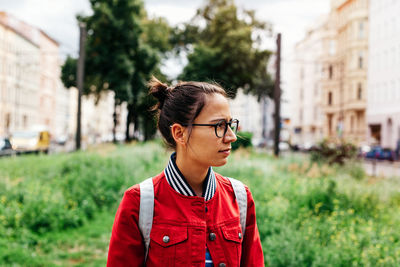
pixel 351 124
pixel 8 120
pixel 361 30
pixel 301 115
pixel 330 98
pixel 359 91
pixel 360 60
pixel 315 113
pixel 330 69
pixel 332 47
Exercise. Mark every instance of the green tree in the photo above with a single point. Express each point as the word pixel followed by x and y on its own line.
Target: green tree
pixel 68 72
pixel 154 44
pixel 227 49
pixel 123 49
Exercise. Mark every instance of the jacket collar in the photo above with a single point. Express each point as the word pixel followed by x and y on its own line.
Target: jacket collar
pixel 178 182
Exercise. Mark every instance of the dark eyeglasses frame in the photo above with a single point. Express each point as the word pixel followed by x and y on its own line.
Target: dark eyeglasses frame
pixel 216 125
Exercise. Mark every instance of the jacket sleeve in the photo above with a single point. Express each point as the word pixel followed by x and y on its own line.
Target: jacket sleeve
pixel 252 254
pixel 126 244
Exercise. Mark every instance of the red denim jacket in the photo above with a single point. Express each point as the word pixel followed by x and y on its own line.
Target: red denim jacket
pixel 191 224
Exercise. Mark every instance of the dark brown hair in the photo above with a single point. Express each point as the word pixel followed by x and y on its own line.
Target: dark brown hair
pixel 181 104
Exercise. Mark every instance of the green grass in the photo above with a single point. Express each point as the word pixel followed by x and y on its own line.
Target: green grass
pixel 58 210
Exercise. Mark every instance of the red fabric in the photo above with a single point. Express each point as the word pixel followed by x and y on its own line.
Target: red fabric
pixel 187 224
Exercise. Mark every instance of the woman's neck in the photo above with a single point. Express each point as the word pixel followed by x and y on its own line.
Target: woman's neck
pixel 193 173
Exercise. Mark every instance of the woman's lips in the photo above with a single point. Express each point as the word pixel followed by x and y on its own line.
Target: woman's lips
pixel 225 151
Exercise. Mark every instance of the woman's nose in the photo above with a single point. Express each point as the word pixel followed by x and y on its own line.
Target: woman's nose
pixel 230 136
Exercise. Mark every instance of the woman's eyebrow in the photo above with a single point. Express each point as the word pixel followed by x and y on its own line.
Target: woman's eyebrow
pixel 220 119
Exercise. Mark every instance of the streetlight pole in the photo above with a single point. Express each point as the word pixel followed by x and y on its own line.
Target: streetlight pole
pixel 80 77
pixel 277 96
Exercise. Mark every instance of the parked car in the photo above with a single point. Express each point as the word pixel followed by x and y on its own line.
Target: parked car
pixel 6 147
pixel 380 153
pixel 284 146
pixel 31 141
pixel 363 150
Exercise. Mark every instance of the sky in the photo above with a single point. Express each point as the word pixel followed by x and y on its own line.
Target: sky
pixel 58 19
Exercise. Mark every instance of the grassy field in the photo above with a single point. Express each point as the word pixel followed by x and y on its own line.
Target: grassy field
pixel 58 210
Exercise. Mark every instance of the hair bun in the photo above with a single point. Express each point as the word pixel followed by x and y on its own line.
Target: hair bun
pixel 158 90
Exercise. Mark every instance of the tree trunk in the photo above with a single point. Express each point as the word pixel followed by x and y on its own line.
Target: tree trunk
pixel 128 137
pixel 135 119
pixel 115 122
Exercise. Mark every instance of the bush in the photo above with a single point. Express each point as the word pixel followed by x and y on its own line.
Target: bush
pixel 330 152
pixel 243 140
pixel 307 214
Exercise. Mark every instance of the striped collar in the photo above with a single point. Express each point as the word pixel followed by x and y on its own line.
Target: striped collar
pixel 178 182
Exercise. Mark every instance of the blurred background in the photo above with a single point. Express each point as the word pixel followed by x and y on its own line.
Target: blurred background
pixel 315 81
pixel 338 78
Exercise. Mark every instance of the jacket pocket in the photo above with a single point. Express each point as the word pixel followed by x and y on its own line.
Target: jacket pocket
pixel 232 233
pixel 168 245
pixel 232 244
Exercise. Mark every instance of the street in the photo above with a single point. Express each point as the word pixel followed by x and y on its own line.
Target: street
pixel 382 168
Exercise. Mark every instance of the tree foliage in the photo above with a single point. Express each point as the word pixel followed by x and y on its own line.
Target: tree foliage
pixel 123 49
pixel 68 72
pixel 227 48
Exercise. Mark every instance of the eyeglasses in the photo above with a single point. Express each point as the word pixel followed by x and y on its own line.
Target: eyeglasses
pixel 221 127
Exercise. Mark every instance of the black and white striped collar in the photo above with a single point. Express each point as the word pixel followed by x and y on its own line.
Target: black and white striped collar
pixel 178 182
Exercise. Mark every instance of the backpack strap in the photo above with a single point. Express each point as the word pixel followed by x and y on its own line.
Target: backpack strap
pixel 241 198
pixel 146 211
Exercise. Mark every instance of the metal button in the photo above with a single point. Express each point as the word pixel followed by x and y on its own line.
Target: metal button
pixel 165 239
pixel 240 235
pixel 212 236
pixel 222 264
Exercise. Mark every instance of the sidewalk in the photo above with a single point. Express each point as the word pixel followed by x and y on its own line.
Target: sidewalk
pixel 382 168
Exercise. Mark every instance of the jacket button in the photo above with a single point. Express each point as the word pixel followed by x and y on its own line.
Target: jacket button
pixel 212 236
pixel 240 235
pixel 165 239
pixel 222 264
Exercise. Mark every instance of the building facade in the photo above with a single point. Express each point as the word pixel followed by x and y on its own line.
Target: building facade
pixel 330 80
pixel 255 117
pixel 345 100
pixel 383 113
pixel 97 118
pixel 307 119
pixel 50 73
pixel 19 77
pixel 33 96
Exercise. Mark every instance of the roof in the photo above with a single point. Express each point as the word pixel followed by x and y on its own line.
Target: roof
pixel 25 30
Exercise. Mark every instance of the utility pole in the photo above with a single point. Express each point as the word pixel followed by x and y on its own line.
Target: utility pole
pixel 80 77
pixel 277 96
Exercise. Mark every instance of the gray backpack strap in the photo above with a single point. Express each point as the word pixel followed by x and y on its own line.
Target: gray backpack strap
pixel 241 198
pixel 146 211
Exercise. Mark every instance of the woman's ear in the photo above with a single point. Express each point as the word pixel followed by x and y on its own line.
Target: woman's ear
pixel 178 132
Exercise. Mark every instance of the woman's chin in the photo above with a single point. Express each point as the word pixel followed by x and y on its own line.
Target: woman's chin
pixel 220 163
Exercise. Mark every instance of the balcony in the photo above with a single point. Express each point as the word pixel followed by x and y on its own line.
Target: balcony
pixel 356 104
pixel 330 109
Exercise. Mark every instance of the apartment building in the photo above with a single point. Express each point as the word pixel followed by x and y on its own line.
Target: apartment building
pixel 32 94
pixel 307 119
pixel 383 112
pixel 19 77
pixel 255 117
pixel 345 100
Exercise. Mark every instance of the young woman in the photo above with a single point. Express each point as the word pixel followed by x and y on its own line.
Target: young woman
pixel 196 220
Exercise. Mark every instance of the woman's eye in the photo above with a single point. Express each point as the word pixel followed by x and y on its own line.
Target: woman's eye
pixel 222 124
